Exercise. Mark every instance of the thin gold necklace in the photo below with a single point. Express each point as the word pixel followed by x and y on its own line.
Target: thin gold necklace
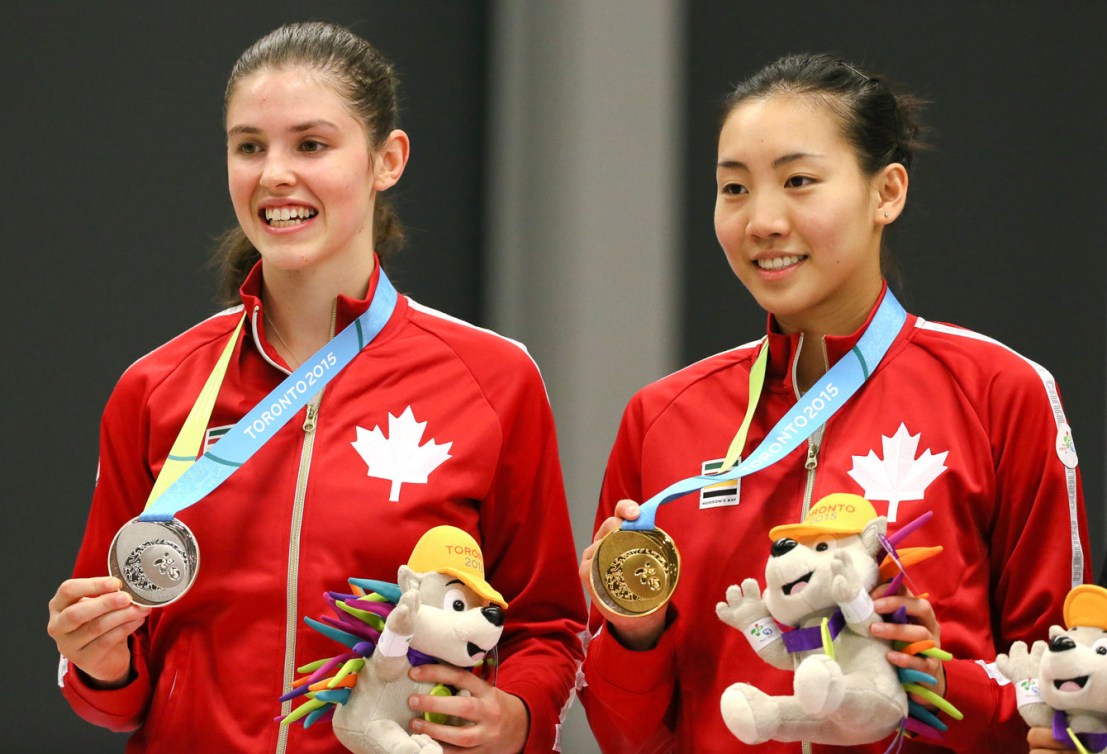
pixel 269 322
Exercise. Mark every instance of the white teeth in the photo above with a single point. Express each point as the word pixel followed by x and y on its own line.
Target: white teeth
pixel 283 217
pixel 778 263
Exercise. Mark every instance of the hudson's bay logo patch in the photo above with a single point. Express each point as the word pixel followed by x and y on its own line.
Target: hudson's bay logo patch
pixel 212 436
pixel 399 457
pixel 723 493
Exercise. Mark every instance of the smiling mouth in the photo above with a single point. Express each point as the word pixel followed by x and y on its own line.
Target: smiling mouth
pixel 1071 684
pixel 797 586
pixel 474 650
pixel 779 263
pixel 286 217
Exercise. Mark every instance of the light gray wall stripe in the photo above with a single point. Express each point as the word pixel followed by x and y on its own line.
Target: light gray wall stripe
pixel 582 230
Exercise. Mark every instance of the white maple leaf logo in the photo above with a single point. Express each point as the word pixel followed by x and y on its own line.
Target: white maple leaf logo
pixel 899 475
pixel 399 457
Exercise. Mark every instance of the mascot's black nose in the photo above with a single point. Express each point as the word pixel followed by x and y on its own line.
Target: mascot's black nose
pixel 782 546
pixel 1061 644
pixel 493 615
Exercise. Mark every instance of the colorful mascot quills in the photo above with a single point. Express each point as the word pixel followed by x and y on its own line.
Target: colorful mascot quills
pixel 440 610
pixel 813 618
pixel 1062 684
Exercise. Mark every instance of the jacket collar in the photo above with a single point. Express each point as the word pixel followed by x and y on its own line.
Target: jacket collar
pixel 348 309
pixel 784 348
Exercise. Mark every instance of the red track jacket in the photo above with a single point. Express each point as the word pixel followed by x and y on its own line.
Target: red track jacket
pixel 304 514
pixel 949 422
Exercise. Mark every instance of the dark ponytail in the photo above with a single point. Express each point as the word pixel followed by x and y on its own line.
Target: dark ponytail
pixel 883 126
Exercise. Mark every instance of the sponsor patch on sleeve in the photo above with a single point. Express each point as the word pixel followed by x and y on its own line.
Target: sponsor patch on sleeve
pixel 1066 448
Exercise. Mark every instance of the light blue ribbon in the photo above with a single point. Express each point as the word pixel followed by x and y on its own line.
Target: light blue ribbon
pixel 275 410
pixel 816 406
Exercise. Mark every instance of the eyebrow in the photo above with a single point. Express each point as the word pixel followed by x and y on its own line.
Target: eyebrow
pixel 455 581
pixel 298 128
pixel 784 159
pixel 318 123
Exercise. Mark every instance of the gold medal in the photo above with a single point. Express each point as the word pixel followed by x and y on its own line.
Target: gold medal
pixel 634 573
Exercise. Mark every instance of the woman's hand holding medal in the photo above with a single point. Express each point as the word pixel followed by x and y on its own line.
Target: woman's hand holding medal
pixel 91 621
pixel 638 630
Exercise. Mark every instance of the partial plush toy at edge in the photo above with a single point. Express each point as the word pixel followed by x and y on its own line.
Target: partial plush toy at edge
pixel 440 610
pixel 818 578
pixel 1062 684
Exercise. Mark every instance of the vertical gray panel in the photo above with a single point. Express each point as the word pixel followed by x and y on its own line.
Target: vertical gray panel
pixel 582 220
pixel 582 227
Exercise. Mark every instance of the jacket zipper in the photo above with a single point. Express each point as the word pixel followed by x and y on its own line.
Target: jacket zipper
pixel 811 464
pixel 311 421
pixel 291 596
pixel 814 443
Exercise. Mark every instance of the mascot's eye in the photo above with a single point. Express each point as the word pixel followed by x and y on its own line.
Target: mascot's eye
pixel 455 601
pixel 822 544
pixel 1100 646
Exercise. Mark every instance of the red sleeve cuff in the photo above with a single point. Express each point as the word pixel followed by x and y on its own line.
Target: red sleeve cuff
pixel 991 720
pixel 119 710
pixel 626 671
pixel 545 723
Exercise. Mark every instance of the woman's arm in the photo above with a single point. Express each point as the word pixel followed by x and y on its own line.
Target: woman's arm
pixel 100 633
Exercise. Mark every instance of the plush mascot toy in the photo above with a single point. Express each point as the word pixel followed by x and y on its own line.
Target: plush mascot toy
pixel 1062 684
pixel 440 610
pixel 817 583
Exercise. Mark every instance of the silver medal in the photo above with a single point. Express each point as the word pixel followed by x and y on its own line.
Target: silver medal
pixel 156 560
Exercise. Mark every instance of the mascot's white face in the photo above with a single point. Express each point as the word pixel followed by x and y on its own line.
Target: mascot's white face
pixel 798 574
pixel 1073 673
pixel 455 624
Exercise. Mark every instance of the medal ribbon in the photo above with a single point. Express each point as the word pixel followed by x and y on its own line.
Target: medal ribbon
pixel 191 437
pixel 816 406
pixel 757 384
pixel 191 483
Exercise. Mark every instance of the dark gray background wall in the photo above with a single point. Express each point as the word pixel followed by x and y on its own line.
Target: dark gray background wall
pixel 114 186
